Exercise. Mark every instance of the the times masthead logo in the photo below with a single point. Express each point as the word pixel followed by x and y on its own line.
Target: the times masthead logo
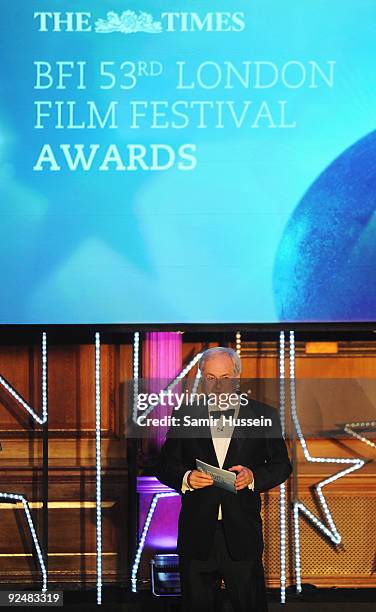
pixel 130 22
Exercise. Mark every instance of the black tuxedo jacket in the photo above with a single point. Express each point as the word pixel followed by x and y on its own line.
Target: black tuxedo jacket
pixel 267 457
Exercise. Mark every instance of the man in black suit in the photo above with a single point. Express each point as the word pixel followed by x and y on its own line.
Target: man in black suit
pixel 220 532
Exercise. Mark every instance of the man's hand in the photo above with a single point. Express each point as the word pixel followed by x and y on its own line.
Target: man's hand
pixel 244 477
pixel 198 480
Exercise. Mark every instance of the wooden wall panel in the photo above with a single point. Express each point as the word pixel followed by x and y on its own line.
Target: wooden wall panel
pixel 17 367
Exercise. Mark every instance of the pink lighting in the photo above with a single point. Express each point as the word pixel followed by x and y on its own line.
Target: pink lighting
pixel 162 361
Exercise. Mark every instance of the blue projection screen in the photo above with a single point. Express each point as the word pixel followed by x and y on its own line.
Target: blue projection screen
pixel 180 161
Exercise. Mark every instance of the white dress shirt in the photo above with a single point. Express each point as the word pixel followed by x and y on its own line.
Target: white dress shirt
pixel 221 441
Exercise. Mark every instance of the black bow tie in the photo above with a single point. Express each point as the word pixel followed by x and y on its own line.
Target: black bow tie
pixel 216 414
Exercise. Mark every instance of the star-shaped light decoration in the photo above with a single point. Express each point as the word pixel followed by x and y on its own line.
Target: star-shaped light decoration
pixel 183 372
pixel 42 420
pixel 351 427
pixel 329 529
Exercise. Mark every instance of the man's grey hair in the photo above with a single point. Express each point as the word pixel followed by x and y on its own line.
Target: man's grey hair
pixel 212 352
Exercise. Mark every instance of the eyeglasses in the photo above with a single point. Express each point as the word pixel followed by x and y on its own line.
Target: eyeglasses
pixel 215 378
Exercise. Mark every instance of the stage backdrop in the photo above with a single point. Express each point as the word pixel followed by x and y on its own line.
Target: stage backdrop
pixel 184 161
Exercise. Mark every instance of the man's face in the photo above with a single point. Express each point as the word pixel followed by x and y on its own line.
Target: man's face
pixel 218 375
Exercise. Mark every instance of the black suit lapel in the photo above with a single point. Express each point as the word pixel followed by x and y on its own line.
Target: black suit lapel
pixel 204 441
pixel 208 453
pixel 239 436
pixel 233 452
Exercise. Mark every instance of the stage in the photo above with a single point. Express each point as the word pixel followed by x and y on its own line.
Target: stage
pixel 138 514
pixel 312 600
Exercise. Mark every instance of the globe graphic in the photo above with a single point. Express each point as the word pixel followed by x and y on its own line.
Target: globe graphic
pixel 325 267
